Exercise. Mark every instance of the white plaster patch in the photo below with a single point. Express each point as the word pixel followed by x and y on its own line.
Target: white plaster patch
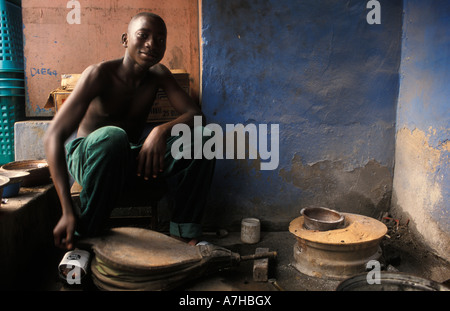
pixel 417 188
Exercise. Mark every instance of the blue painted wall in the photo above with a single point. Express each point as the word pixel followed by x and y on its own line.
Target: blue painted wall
pixel 421 183
pixel 328 78
pixel 426 63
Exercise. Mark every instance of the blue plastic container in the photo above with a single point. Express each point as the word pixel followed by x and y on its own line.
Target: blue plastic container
pixel 11 190
pixel 12 75
pixel 11 111
pixel 12 90
pixel 11 38
pixel 12 86
pixel 12 82
pixel 16 177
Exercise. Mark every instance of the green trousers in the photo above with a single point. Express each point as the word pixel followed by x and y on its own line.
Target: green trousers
pixel 104 164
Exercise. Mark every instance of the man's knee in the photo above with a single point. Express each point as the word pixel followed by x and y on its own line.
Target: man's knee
pixel 109 138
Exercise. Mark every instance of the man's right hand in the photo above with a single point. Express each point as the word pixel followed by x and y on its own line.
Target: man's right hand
pixel 64 231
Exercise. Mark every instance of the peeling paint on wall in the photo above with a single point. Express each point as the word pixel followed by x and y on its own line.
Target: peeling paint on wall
pixel 328 78
pixel 418 181
pixel 421 188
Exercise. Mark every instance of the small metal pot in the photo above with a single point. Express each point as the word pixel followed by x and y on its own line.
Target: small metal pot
pixel 321 218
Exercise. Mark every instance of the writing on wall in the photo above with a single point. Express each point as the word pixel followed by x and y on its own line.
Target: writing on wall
pixel 43 71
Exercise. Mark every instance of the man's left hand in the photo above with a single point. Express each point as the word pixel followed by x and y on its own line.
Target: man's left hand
pixel 151 157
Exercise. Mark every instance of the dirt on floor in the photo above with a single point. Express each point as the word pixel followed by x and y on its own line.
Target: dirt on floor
pixel 404 252
pixel 401 252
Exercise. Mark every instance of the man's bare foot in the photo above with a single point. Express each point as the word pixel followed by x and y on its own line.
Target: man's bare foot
pixel 192 242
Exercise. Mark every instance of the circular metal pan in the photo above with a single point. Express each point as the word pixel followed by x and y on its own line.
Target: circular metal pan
pixel 321 218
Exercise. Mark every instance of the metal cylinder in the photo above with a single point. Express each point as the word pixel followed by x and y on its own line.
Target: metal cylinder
pixel 250 230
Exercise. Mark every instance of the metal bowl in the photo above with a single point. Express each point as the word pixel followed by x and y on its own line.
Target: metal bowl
pixel 14 176
pixel 321 218
pixel 38 169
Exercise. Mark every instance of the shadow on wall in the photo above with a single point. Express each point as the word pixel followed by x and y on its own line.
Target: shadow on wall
pixel 365 190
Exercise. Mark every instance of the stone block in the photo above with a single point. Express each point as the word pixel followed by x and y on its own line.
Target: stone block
pixel 261 266
pixel 29 140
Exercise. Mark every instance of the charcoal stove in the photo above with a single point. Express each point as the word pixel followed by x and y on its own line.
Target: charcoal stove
pixel 339 253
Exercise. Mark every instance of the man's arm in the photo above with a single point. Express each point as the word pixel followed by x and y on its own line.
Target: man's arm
pixel 151 156
pixel 64 123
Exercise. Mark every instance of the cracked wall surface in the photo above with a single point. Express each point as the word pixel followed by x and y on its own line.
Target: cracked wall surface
pixel 421 188
pixel 328 78
pixel 364 190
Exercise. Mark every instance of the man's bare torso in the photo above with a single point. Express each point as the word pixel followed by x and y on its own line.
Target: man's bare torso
pixel 120 103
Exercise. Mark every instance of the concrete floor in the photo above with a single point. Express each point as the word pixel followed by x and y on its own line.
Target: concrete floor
pixel 400 253
pixel 37 262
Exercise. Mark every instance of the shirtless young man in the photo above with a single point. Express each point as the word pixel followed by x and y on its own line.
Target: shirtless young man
pixel 109 107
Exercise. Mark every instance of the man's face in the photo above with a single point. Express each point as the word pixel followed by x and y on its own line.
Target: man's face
pixel 146 41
